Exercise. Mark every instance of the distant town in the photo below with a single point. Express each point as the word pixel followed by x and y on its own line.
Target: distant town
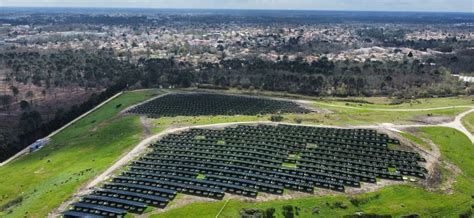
pixel 187 41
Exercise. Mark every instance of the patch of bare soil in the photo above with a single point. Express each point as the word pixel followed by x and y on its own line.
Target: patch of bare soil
pixel 309 106
pixel 432 120
pixel 371 187
pixel 434 178
pixel 146 126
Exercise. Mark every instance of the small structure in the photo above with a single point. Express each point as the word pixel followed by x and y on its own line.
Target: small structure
pixel 40 143
pixel 469 79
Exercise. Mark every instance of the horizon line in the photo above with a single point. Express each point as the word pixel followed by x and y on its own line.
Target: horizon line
pixel 238 9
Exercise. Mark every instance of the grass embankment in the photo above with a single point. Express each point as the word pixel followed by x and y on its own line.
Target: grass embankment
pixel 395 200
pixel 35 184
pixel 416 140
pixel 468 122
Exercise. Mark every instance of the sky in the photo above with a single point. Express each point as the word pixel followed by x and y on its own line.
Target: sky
pixel 358 5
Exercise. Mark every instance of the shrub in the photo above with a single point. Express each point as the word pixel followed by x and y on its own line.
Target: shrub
pixel 411 216
pixel 251 213
pixel 276 118
pixel 315 210
pixel 340 205
pixel 288 211
pixel 11 203
pixel 269 212
pixel 298 120
pixel 360 201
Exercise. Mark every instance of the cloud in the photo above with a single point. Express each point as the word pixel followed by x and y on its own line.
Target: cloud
pixel 364 5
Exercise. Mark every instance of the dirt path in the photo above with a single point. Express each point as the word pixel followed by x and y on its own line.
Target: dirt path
pixel 146 126
pixel 457 124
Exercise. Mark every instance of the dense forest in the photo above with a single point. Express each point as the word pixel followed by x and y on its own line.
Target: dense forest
pixel 86 69
pixel 408 78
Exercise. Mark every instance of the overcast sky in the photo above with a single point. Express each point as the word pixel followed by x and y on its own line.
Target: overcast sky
pixel 365 5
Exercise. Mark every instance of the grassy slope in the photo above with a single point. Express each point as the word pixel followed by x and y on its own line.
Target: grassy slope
pixel 396 200
pixel 48 177
pixel 468 122
pixel 416 140
pixel 454 146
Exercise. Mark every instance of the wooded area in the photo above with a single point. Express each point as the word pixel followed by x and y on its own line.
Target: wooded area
pixel 408 79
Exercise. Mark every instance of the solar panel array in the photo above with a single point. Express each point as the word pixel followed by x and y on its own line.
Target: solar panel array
pixel 245 160
pixel 201 104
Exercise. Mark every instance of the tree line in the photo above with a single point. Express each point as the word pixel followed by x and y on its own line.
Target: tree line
pixel 407 78
pixel 404 79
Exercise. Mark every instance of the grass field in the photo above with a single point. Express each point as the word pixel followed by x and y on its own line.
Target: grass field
pixel 395 200
pixel 468 122
pixel 41 181
pixel 37 183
